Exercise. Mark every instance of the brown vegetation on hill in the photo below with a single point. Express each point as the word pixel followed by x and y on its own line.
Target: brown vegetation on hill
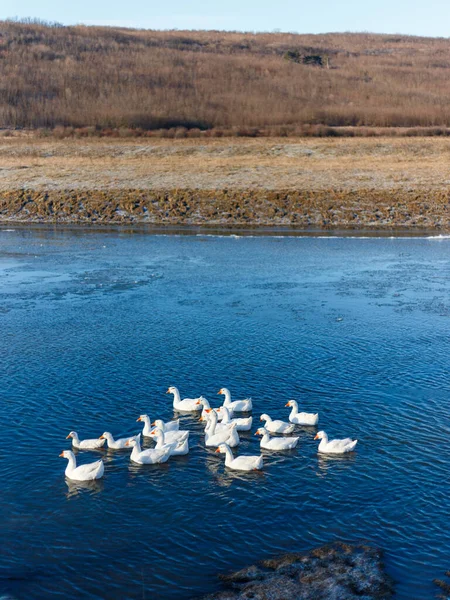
pixel 229 83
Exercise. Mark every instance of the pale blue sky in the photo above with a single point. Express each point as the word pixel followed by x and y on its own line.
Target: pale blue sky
pixel 419 17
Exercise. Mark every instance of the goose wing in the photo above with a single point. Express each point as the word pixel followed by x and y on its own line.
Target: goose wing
pixel 91 444
pixel 88 472
pixel 172 425
pixel 176 436
pixel 247 463
pixel 338 445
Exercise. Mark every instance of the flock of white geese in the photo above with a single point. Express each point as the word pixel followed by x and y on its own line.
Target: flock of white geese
pixel 221 431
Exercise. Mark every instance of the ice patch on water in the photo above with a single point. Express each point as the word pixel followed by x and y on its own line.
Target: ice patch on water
pixel 301 235
pixel 223 235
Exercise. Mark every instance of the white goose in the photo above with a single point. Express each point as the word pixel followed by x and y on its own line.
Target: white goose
pixel 243 424
pixel 219 426
pixel 92 444
pixel 206 405
pixel 215 438
pixel 276 443
pixel 152 456
pixel 115 444
pixel 87 472
pixel 170 436
pixel 302 418
pixel 335 446
pixel 180 447
pixel 169 426
pixel 186 405
pixel 276 426
pixel 240 463
pixel 238 405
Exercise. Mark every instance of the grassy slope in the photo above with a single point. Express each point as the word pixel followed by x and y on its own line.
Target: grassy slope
pixel 108 77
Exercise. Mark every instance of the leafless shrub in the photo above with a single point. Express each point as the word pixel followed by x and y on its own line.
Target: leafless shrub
pixel 83 81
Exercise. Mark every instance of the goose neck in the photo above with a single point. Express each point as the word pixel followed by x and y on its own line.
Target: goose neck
pixel 227 396
pixel 323 441
pixel 228 455
pixel 212 422
pixel 147 424
pixel 72 463
pixel 266 437
pixel 226 415
pixel 159 440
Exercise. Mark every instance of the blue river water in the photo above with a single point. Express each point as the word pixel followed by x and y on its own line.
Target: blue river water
pixel 95 325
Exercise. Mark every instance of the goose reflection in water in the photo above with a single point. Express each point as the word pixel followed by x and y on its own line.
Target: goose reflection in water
pixel 224 477
pixel 74 488
pixel 328 462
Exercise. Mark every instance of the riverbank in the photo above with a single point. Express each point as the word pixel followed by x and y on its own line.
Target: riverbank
pixel 321 183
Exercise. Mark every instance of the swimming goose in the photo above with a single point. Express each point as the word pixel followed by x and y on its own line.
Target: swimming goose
pixel 179 447
pixel 146 431
pixel 92 444
pixel 242 424
pixel 168 426
pixel 240 463
pixel 219 426
pixel 186 405
pixel 236 405
pixel 276 426
pixel 302 418
pixel 151 456
pixel 87 472
pixel 206 405
pixel 335 446
pixel 170 436
pixel 276 443
pixel 115 444
pixel 215 438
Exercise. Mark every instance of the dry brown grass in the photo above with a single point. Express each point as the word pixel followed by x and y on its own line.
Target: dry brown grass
pixel 268 163
pixel 83 79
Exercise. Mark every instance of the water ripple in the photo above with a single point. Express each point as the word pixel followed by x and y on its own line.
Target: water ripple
pixel 95 326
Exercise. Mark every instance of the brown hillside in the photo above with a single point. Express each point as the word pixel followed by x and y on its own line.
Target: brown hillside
pixel 109 77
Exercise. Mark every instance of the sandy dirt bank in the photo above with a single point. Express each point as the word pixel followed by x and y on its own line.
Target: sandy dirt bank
pixel 374 183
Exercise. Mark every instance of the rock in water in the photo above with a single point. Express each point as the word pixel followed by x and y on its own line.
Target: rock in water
pixel 445 587
pixel 333 572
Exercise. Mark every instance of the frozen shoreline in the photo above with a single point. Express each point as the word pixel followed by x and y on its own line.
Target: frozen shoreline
pixel 310 184
pixel 321 210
